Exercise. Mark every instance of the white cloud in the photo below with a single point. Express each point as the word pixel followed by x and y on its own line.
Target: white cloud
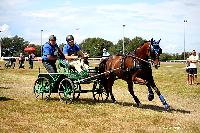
pixel 4 27
pixel 160 20
pixel 7 5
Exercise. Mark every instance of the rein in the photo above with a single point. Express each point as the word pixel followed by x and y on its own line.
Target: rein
pixel 92 77
pixel 139 58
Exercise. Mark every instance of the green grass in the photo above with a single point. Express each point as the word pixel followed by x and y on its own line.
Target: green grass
pixel 21 112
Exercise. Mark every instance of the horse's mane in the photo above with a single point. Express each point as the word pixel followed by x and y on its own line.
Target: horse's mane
pixel 142 45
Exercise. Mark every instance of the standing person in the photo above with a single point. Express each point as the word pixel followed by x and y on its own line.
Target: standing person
pixel 189 80
pixel 193 59
pixel 50 54
pixel 105 54
pixel 31 57
pixel 21 60
pixel 72 51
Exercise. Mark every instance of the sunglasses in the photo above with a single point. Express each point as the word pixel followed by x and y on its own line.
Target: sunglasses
pixel 71 41
pixel 52 40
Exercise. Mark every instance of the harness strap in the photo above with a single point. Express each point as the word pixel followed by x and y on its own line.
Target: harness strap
pixel 123 62
pixel 126 71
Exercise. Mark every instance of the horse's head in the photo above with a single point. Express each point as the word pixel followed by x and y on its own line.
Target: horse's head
pixel 150 49
pixel 155 52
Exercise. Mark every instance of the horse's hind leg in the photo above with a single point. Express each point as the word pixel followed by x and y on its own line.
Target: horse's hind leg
pixel 110 84
pixel 104 82
pixel 130 89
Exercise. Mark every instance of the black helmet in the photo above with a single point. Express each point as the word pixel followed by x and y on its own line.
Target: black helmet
pixel 52 37
pixel 69 38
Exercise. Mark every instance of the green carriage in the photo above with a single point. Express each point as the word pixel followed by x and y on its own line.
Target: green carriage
pixel 67 83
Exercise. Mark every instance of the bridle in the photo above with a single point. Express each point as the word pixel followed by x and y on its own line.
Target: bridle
pixel 155 51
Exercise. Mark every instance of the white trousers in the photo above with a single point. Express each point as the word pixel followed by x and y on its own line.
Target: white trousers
pixel 79 65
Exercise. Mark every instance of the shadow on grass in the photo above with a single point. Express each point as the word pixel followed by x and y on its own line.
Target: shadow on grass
pixel 154 107
pixel 86 101
pixel 91 101
pixel 5 99
pixel 5 87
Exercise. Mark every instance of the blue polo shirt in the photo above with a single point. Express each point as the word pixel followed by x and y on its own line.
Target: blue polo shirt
pixel 71 50
pixel 49 50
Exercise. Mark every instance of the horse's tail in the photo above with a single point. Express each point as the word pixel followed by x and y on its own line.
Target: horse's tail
pixel 102 65
pixel 102 69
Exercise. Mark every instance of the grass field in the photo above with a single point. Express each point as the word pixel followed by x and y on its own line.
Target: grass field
pixel 21 112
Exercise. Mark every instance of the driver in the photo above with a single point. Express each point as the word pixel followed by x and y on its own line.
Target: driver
pixel 72 51
pixel 50 54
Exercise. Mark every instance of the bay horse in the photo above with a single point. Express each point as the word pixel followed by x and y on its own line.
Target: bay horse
pixel 134 67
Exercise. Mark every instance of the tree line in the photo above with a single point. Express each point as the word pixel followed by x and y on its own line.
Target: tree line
pixel 13 46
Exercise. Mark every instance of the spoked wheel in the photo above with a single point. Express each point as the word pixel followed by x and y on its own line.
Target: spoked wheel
pixel 77 89
pixel 66 90
pixel 13 65
pixel 6 65
pixel 99 93
pixel 42 88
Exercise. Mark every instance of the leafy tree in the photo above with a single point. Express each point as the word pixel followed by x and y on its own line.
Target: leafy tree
pixel 175 56
pixel 94 46
pixel 135 43
pixel 165 57
pixel 15 44
pixel 129 45
pixel 119 46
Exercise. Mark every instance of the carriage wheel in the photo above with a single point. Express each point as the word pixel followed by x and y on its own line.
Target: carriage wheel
pixel 99 93
pixel 66 90
pixel 13 66
pixel 77 88
pixel 42 88
pixel 6 65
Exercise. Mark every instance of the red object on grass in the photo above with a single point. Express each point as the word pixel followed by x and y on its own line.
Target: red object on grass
pixel 29 49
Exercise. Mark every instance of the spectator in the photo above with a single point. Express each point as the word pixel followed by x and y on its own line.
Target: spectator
pixel 193 59
pixel 31 57
pixel 21 60
pixel 189 80
pixel 105 54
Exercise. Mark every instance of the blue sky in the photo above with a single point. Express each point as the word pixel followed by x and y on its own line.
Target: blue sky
pixel 104 18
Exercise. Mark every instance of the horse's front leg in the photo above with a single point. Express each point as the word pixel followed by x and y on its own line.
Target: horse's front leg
pixel 141 81
pixel 136 79
pixel 162 99
pixel 110 82
pixel 130 88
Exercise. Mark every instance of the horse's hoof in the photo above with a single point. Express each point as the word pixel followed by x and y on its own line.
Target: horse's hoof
pixel 150 97
pixel 139 104
pixel 114 101
pixel 167 107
